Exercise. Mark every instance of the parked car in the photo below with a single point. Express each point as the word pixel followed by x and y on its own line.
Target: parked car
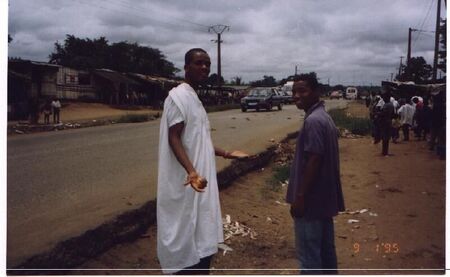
pixel 262 98
pixel 286 96
pixel 337 94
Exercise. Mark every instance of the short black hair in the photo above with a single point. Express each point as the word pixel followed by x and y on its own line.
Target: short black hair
pixel 309 79
pixel 190 53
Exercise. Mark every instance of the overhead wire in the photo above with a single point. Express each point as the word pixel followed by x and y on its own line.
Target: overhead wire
pixel 127 4
pixel 140 14
pixel 424 20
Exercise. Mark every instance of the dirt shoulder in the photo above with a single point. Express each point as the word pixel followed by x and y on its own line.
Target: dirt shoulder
pixel 403 227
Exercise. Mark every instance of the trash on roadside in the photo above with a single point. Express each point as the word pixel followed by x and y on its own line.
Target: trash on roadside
pixel 272 140
pixel 269 219
pixel 279 203
pixel 225 248
pixel 351 221
pixel 354 212
pixel 231 229
pixel 19 132
pixel 356 227
pixel 373 214
pixel 342 236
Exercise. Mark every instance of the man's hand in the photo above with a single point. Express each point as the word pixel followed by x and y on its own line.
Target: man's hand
pixel 236 154
pixel 298 207
pixel 197 182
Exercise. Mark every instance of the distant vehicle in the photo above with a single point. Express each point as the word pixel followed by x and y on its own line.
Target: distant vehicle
pixel 288 87
pixel 337 94
pixel 351 93
pixel 262 98
pixel 286 96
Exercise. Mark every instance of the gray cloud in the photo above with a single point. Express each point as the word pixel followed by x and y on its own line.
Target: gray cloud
pixel 348 41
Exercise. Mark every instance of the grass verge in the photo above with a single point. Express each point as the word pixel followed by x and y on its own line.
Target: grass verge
pixel 356 125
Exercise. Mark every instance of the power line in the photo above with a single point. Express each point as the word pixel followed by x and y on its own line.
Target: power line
pixel 127 5
pixel 424 20
pixel 117 9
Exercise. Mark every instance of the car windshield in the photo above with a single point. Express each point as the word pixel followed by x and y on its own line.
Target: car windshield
pixel 259 92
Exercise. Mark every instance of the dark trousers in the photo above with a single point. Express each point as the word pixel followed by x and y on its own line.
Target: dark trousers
pixel 405 129
pixel 55 115
pixel 385 137
pixel 202 268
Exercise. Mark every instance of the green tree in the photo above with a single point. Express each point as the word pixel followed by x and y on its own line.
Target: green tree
pixel 417 71
pixel 267 81
pixel 212 79
pixel 121 56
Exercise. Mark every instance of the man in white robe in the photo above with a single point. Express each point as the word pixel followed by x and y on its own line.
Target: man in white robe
pixel 189 220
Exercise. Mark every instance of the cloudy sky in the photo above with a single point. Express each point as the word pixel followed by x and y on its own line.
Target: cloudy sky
pixel 346 41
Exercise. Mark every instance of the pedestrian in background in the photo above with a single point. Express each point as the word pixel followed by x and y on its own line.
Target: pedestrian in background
pixel 406 112
pixel 56 107
pixel 188 210
pixel 314 190
pixel 47 110
pixel 385 116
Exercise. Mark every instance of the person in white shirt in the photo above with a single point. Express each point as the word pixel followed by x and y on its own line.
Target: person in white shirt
pixel 189 221
pixel 406 112
pixel 56 107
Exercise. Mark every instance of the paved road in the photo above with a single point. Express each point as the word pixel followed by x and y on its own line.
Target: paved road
pixel 62 183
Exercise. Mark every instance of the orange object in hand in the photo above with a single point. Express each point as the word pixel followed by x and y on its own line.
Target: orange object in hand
pixel 197 182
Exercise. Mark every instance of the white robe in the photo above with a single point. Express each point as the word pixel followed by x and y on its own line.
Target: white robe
pixel 189 223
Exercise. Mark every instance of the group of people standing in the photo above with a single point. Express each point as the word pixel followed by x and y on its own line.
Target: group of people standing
pixel 389 116
pixel 53 107
pixel 188 209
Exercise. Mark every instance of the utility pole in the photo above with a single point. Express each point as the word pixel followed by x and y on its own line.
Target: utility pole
pixel 436 40
pixel 400 67
pixel 218 29
pixel 295 70
pixel 410 30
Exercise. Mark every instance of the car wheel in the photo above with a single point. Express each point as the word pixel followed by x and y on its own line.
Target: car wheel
pixel 243 110
pixel 280 106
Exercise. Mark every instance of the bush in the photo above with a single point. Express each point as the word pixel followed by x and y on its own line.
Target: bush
pixel 210 109
pixel 134 118
pixel 281 174
pixel 356 125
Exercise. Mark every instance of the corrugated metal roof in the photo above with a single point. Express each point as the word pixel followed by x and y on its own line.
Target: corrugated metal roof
pixel 114 76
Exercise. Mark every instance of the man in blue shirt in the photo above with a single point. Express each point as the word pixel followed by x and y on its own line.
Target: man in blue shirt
pixel 314 190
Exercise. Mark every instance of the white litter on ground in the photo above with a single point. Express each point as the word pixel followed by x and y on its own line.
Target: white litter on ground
pixel 235 228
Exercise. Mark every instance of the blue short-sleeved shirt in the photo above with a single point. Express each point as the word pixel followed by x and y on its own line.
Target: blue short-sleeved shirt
pixel 319 135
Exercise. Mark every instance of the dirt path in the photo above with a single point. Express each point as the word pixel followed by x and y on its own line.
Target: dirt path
pixel 403 227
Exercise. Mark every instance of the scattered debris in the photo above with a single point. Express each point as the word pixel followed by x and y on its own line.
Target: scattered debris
pixel 342 236
pixel 247 118
pixel 233 127
pixel 344 133
pixel 236 229
pixel 225 248
pixel 356 227
pixel 269 219
pixel 354 212
pixel 19 132
pixel 272 140
pixel 213 129
pixel 351 221
pixel 373 214
pixel 233 117
pixel 279 203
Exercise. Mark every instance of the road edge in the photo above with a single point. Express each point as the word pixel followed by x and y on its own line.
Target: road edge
pixel 126 227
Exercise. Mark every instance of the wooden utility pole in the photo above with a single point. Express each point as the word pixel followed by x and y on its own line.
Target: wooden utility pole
pixel 408 56
pixel 400 67
pixel 218 29
pixel 436 40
